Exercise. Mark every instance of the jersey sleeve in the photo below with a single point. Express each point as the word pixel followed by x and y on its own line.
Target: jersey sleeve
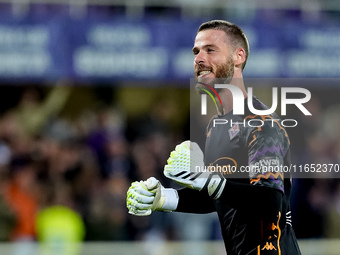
pixel 194 201
pixel 267 149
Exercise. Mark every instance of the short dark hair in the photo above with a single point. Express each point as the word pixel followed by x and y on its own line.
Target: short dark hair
pixel 237 37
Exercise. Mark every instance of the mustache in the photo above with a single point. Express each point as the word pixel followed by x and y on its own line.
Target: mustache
pixel 202 67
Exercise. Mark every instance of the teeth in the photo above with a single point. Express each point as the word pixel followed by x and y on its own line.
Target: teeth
pixel 204 72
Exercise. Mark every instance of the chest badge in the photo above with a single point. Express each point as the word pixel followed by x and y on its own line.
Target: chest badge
pixel 233 131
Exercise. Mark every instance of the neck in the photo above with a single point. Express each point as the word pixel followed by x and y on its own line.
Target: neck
pixel 227 97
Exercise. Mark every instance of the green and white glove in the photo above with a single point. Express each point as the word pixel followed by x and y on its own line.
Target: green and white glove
pixel 186 167
pixel 143 197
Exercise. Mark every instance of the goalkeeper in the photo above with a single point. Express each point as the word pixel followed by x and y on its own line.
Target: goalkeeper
pixel 253 207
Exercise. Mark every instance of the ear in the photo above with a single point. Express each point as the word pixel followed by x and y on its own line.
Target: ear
pixel 239 57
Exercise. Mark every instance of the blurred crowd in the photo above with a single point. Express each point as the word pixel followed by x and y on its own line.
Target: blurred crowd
pixel 80 168
pixel 85 163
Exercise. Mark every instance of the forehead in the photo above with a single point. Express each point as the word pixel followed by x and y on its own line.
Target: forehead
pixel 211 37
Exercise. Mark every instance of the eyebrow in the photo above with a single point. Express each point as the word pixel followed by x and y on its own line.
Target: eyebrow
pixel 205 46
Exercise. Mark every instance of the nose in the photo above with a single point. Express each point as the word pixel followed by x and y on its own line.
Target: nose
pixel 199 59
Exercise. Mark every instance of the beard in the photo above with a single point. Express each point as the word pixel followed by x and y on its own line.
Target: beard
pixel 223 75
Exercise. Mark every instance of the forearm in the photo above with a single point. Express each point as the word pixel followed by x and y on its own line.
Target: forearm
pixel 194 201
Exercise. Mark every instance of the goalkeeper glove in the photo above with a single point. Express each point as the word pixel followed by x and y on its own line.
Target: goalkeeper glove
pixel 143 197
pixel 186 167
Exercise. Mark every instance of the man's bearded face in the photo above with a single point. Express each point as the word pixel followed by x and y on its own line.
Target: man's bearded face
pixel 223 74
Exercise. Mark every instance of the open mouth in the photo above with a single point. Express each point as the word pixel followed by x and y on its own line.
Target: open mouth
pixel 203 73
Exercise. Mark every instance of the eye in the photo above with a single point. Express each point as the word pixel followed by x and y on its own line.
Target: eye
pixel 195 52
pixel 210 50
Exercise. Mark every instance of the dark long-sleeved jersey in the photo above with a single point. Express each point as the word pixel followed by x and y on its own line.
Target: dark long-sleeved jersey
pixel 251 152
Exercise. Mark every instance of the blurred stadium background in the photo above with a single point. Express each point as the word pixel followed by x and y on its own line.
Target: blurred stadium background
pixel 95 94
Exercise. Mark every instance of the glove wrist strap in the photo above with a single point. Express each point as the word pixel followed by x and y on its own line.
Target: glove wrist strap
pixel 215 185
pixel 171 199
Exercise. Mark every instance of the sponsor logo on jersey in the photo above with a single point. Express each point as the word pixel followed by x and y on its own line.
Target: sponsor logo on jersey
pixel 265 164
pixel 267 161
pixel 224 165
